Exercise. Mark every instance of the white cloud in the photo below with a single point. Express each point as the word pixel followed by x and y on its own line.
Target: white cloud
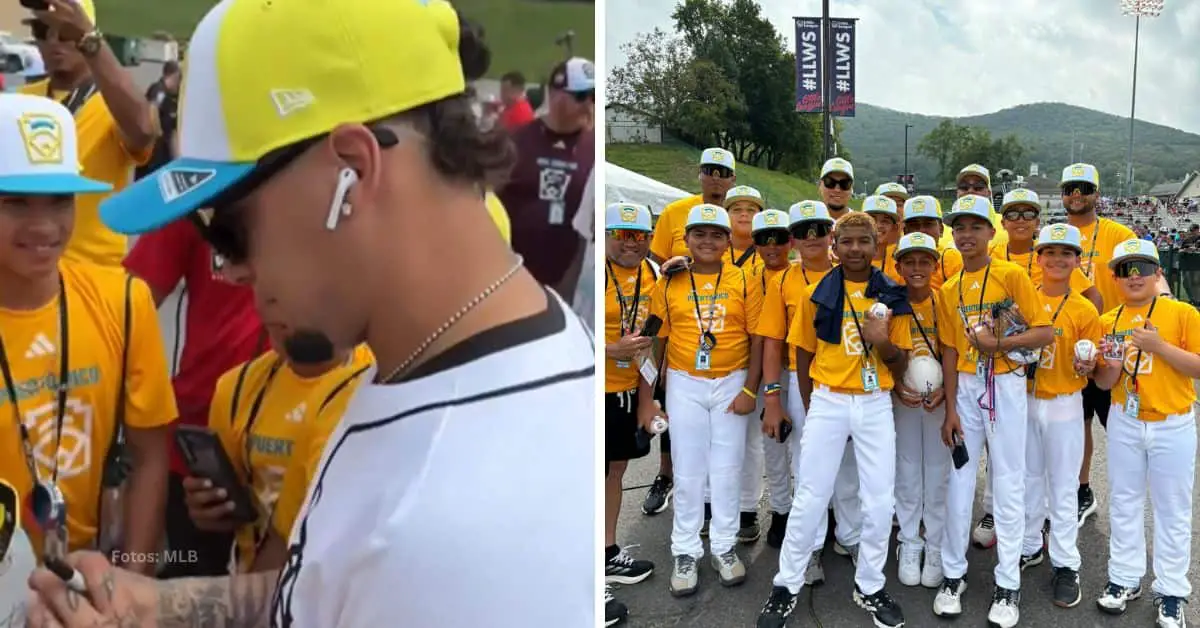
pixel 968 58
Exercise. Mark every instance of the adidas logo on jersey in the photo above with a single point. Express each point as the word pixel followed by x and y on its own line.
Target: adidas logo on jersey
pixel 296 414
pixel 40 348
pixel 975 285
pixel 708 286
pixel 1138 318
pixel 857 294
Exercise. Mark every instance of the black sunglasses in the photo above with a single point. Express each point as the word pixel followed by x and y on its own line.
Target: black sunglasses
pixel 806 230
pixel 843 184
pixel 1136 268
pixel 1085 188
pixel 222 226
pixel 588 96
pixel 772 237
pixel 1020 214
pixel 720 172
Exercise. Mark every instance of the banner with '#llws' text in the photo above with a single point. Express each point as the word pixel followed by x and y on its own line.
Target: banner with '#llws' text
pixel 808 65
pixel 841 82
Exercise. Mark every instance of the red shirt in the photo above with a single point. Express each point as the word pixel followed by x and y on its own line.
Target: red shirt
pixel 518 115
pixel 223 328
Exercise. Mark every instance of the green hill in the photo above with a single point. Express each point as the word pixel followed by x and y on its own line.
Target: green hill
pixel 675 165
pixel 521 33
pixel 875 138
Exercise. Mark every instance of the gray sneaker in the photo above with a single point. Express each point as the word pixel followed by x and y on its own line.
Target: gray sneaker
pixel 684 578
pixel 730 569
pixel 814 575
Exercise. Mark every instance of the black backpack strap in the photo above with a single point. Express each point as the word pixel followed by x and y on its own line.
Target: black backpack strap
pixel 116 467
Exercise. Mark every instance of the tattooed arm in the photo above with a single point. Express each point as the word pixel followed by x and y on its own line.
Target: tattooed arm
pixel 240 601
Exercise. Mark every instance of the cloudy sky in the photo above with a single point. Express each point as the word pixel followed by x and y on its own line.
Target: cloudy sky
pixel 949 57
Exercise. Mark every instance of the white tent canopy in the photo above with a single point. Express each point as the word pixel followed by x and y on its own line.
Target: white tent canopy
pixel 626 185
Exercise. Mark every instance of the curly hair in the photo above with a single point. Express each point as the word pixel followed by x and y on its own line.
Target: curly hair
pixel 854 219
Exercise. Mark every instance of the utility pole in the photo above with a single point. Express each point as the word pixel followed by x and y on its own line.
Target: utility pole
pixel 906 128
pixel 827 73
pixel 1138 9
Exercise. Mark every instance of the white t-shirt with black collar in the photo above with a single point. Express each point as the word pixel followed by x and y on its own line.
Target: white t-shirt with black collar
pixel 460 497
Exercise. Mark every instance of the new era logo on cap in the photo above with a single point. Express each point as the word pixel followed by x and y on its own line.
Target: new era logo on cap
pixel 174 183
pixel 288 101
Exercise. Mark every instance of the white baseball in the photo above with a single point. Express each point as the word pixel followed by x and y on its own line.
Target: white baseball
pixel 1085 350
pixel 658 425
pixel 878 310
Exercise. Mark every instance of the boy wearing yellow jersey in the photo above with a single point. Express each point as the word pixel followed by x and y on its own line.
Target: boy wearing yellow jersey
pixel 1054 441
pixel 1150 357
pixel 883 210
pixel 713 371
pixel 717 175
pixel 743 203
pixel 922 462
pixel 923 214
pixel 982 359
pixel 847 360
pixel 810 226
pixel 91 328
pixel 259 410
pixel 629 283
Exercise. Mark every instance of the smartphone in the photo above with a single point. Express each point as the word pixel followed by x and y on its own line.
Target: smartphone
pixel 959 454
pixel 35 5
pixel 785 430
pixel 650 329
pixel 206 458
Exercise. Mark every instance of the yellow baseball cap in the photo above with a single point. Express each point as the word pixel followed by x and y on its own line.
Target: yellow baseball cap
pixel 317 64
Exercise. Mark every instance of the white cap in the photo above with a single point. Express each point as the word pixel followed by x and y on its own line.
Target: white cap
pixel 627 216
pixel 1060 235
pixel 923 206
pixel 969 205
pixel 743 193
pixel 977 170
pixel 891 187
pixel 880 205
pixel 707 214
pixel 809 211
pixel 1021 196
pixel 1136 248
pixel 770 219
pixel 1085 173
pixel 39 149
pixel 574 75
pixel 837 164
pixel 717 157
pixel 916 241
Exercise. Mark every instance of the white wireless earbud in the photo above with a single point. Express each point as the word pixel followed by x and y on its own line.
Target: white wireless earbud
pixel 340 207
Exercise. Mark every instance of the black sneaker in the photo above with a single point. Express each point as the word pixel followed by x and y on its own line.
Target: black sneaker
pixel 1034 559
pixel 707 520
pixel 883 609
pixel 1116 597
pixel 1087 504
pixel 1065 583
pixel 624 569
pixel 659 496
pixel 748 531
pixel 1170 611
pixel 614 611
pixel 778 530
pixel 778 608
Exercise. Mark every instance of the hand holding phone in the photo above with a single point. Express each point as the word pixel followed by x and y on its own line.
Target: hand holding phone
pixel 207 461
pixel 959 453
pixel 652 327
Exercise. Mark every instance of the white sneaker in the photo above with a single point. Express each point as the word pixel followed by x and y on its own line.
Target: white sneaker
pixel 909 557
pixel 730 569
pixel 684 578
pixel 984 534
pixel 948 602
pixel 1006 609
pixel 814 575
pixel 931 573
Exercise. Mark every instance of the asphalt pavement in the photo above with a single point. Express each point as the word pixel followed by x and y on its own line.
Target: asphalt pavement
pixel 830 605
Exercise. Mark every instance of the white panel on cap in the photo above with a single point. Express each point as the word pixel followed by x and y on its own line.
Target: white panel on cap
pixel 14 158
pixel 202 130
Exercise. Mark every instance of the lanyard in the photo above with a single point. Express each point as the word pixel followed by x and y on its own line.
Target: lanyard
pixel 705 332
pixel 63 374
pixel 962 307
pixel 1028 265
pixel 76 97
pixel 1091 254
pixel 921 328
pixel 854 315
pixel 1137 363
pixel 637 294
pixel 884 261
pixel 749 253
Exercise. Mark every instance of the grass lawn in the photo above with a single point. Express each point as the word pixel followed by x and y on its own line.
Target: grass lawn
pixel 521 33
pixel 675 165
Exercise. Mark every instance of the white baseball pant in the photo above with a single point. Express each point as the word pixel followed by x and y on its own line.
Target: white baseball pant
pixel 783 459
pixel 1163 454
pixel 751 483
pixel 707 442
pixel 1006 451
pixel 833 417
pixel 922 468
pixel 847 508
pixel 1053 455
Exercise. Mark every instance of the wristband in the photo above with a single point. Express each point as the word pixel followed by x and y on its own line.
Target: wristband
pixel 772 389
pixel 749 392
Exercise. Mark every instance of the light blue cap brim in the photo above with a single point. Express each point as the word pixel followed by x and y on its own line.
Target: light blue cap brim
pixel 169 193
pixel 624 226
pixel 51 184
pixel 948 219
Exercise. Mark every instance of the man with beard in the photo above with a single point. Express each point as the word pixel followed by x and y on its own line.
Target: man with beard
pixel 1098 237
pixel 836 186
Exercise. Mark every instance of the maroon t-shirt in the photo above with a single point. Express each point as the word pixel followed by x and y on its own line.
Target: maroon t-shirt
pixel 543 194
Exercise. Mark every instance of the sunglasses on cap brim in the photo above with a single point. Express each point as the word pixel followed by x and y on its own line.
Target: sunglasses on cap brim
pixel 629 234
pixel 771 237
pixel 1135 268
pixel 812 229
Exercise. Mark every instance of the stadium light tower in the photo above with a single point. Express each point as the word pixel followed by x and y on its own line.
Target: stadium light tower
pixel 1138 9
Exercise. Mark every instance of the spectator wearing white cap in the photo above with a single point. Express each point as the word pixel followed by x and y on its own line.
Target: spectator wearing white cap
pixel 836 186
pixel 712 375
pixel 1154 343
pixel 923 214
pixel 1054 440
pixel 883 211
pixel 716 175
pixel 1080 185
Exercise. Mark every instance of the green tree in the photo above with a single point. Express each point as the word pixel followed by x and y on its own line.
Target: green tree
pixel 952 146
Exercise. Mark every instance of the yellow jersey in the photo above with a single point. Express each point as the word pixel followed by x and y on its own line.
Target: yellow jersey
pixel 1098 241
pixel 840 366
pixel 1161 389
pixel 499 216
pixel 724 304
pixel 923 329
pixel 969 295
pixel 627 297
pixel 667 241
pixel 949 263
pixel 888 264
pixel 259 411
pixel 96 297
pixel 752 262
pixel 1079 281
pixel 104 157
pixel 781 299
pixel 1073 318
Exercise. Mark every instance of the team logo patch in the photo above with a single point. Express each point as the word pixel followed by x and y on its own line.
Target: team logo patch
pixel 589 70
pixel 919 239
pixel 771 220
pixel 1058 233
pixel 807 209
pixel 1077 171
pixel 1133 246
pixel 43 136
pixel 708 213
pixel 1020 195
pixel 918 205
pixel 718 155
pixel 628 214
